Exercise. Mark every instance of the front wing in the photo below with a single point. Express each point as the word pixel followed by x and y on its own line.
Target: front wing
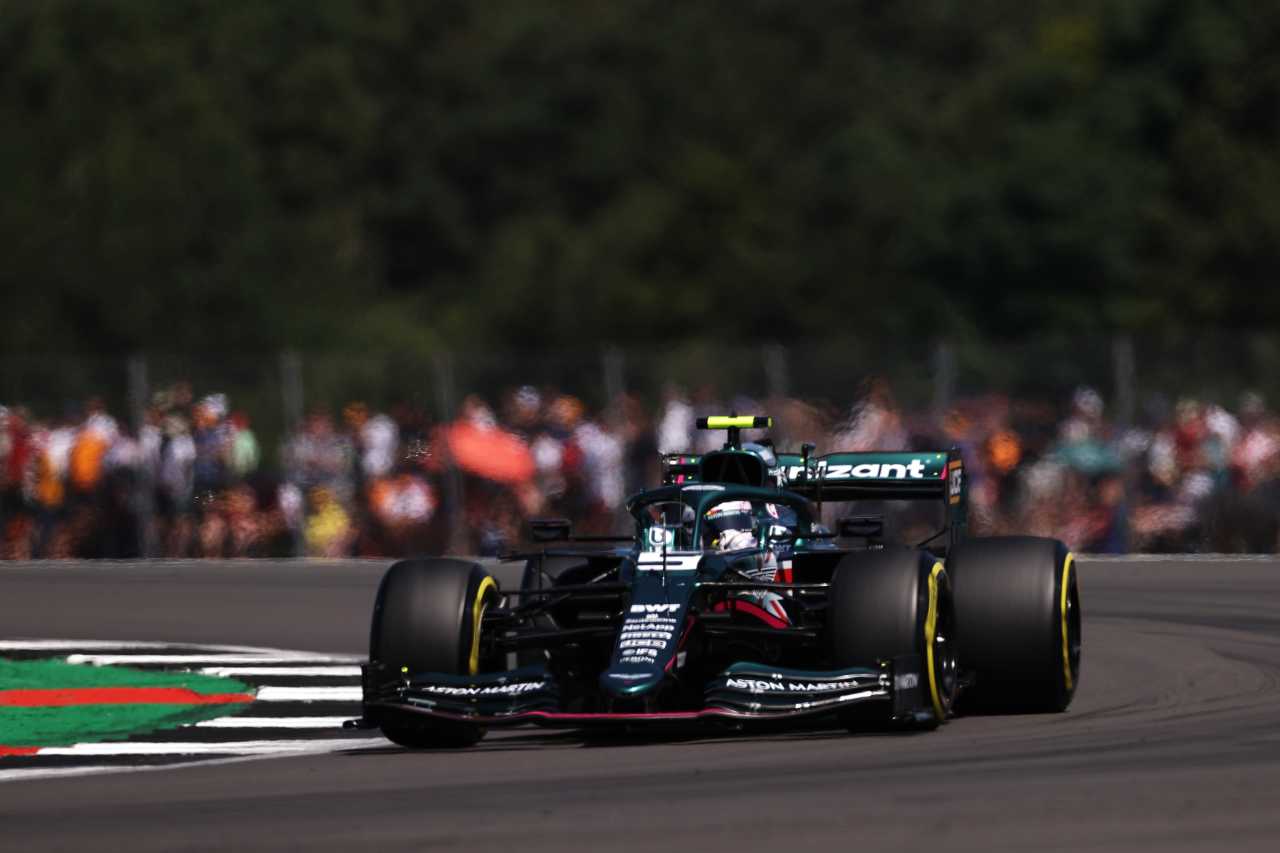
pixel 743 692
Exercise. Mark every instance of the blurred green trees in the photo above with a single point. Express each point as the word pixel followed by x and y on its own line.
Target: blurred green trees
pixel 214 175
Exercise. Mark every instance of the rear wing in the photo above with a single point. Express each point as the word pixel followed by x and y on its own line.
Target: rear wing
pixel 837 477
pixel 874 476
pixel 937 476
pixel 849 476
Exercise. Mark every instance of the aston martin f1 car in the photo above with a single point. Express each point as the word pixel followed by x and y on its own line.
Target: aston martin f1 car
pixel 731 601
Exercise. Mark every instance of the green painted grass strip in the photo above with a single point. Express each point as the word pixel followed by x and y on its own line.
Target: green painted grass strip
pixel 64 726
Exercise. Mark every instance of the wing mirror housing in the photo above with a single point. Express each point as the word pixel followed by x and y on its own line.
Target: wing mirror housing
pixel 550 529
pixel 869 527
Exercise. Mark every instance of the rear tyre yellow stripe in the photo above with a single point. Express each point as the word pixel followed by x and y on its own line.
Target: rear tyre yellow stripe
pixel 477 612
pixel 930 626
pixel 1062 609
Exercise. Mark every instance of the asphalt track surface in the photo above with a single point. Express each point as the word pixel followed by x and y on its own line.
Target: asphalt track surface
pixel 1172 742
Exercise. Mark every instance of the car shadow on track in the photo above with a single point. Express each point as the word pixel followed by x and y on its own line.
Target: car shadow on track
pixel 526 740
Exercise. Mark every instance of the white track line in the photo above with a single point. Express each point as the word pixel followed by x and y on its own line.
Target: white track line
pixel 1177 558
pixel 283 670
pixel 274 723
pixel 61 645
pixel 197 659
pixel 240 747
pixel 28 773
pixel 308 694
pixel 257 652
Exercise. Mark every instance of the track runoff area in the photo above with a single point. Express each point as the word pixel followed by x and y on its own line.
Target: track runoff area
pixel 73 707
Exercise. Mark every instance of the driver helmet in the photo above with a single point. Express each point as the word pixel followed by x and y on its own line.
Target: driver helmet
pixel 730 526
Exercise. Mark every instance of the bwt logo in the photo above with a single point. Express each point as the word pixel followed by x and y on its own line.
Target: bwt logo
pixel 654 608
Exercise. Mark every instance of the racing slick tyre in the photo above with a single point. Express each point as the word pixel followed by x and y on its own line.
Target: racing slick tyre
pixel 1017 623
pixel 426 618
pixel 889 603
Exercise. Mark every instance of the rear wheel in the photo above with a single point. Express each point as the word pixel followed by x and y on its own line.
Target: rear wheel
pixel 1018 619
pixel 426 618
pixel 889 603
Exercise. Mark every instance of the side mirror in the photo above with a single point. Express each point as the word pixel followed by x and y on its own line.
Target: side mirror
pixel 550 529
pixel 862 526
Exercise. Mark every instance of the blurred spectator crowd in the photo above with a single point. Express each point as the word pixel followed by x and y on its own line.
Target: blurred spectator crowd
pixel 191 481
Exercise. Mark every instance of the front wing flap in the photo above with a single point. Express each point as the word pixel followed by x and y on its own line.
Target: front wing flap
pixel 755 689
pixel 488 696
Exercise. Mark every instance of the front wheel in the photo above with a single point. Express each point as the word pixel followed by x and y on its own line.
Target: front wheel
pixel 889 603
pixel 427 618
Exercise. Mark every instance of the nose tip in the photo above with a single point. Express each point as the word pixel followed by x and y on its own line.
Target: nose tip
pixel 629 685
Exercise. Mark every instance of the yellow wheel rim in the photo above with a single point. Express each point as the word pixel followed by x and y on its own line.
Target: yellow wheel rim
pixel 477 612
pixel 1062 609
pixel 930 628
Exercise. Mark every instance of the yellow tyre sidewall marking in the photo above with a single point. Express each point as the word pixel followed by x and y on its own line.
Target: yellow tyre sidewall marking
pixel 477 611
pixel 930 626
pixel 1062 609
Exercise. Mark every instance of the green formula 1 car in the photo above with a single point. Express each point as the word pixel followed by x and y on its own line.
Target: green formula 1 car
pixel 731 602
